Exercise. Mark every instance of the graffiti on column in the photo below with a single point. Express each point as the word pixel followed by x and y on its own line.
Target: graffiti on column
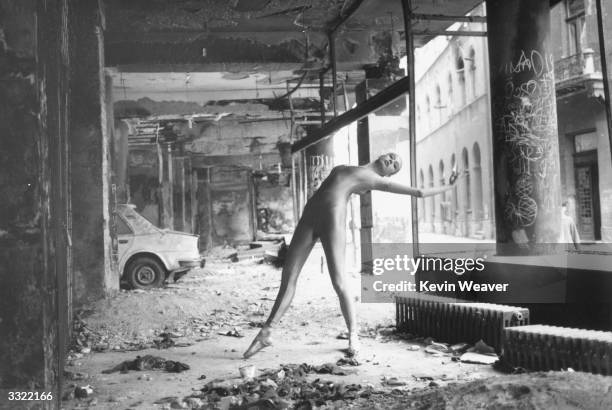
pixel 528 128
pixel 319 167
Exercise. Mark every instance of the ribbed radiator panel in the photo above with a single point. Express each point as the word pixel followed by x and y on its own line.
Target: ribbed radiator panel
pixel 453 321
pixel 542 347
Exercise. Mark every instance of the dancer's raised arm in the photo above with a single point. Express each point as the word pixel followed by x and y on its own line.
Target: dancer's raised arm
pixel 388 185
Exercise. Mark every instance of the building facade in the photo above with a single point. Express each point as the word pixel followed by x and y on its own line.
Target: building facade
pixel 453 130
pixel 584 146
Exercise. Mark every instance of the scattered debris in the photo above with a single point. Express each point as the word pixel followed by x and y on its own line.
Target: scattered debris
pixel 82 392
pixel 438 348
pixel 166 400
pixel 386 331
pixel 422 378
pixel 235 332
pixel 330 368
pixel 282 388
pixel 393 381
pixel 68 395
pixel 149 362
pixel 482 348
pixel 194 402
pixel 478 358
pixel 247 372
pixel 481 353
pixel 68 375
pixel 165 342
pixel 460 347
pixel 348 361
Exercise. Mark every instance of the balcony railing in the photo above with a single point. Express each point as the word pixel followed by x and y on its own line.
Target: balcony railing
pixel 586 63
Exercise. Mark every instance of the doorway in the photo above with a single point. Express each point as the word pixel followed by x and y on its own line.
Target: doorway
pixel 587 195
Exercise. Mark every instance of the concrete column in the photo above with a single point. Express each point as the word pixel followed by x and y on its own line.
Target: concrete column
pixel 90 156
pixel 365 199
pixel 525 138
pixel 120 159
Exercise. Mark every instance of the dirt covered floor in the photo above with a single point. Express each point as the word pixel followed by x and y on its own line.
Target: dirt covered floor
pixel 183 346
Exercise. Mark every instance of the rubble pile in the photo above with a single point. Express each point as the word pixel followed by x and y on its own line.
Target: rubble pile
pixel 149 362
pixel 286 387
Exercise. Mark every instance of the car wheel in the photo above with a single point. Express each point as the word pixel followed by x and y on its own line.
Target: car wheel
pixel 144 273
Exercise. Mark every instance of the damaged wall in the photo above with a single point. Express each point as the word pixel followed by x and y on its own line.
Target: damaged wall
pixel 91 149
pixel 21 239
pixel 34 251
pixel 238 137
pixel 256 145
pixel 225 207
pixel 274 202
pixel 248 144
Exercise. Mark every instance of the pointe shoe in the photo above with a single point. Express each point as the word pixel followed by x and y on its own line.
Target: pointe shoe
pixel 261 341
pixel 354 346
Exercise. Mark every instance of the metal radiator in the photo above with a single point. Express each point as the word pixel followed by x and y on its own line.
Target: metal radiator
pixel 542 347
pixel 453 321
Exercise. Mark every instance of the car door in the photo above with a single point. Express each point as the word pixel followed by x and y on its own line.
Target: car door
pixel 125 239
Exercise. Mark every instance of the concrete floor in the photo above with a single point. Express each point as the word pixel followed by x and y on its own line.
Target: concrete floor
pixel 307 335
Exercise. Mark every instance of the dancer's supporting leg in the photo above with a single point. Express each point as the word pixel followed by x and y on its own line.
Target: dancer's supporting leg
pixel 302 242
pixel 334 246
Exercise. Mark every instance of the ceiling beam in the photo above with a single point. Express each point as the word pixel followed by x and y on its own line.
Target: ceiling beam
pixel 441 17
pixel 181 36
pixel 207 67
pixel 384 97
pixel 205 50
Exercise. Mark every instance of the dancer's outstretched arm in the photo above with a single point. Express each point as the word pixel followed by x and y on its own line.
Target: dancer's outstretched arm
pixel 399 188
pixel 387 185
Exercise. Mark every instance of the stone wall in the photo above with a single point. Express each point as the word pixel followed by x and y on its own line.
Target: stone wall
pixel 33 247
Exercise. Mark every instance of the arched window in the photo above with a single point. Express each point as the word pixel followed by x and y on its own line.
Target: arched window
pixel 453 209
pixel 459 64
pixel 431 177
pixel 421 201
pixel 472 59
pixel 431 207
pixel 460 68
pixel 450 92
pixel 428 108
pixel 421 179
pixel 438 105
pixel 441 199
pixel 467 188
pixel 477 182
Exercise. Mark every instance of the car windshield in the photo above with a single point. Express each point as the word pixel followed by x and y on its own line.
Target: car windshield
pixel 139 223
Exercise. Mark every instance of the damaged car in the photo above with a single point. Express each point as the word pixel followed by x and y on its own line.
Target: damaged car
pixel 147 255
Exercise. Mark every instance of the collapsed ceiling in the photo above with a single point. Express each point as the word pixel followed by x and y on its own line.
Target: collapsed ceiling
pixel 203 50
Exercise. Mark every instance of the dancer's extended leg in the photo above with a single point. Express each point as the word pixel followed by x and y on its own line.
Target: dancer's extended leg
pixel 302 242
pixel 334 245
